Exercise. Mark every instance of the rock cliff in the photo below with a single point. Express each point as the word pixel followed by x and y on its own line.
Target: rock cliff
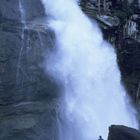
pixel 28 96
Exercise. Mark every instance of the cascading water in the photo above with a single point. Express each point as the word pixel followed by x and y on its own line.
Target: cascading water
pixel 23 22
pixel 22 13
pixel 86 66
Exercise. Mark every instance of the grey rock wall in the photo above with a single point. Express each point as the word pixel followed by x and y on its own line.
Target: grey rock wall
pixel 28 96
pixel 10 9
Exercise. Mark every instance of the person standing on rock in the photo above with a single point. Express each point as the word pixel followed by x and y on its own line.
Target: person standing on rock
pixel 100 138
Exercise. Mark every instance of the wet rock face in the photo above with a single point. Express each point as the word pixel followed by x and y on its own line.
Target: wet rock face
pixel 129 56
pixel 123 133
pixel 10 10
pixel 22 72
pixel 33 9
pixel 28 95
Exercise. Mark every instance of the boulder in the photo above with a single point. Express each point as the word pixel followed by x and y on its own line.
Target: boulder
pixel 117 132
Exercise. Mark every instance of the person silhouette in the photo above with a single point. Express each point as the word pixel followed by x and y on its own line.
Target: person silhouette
pixel 100 138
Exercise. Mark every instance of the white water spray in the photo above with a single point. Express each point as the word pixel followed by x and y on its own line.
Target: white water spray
pixel 86 65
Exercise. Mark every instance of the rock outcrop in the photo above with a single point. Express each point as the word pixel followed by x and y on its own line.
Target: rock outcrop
pixel 123 133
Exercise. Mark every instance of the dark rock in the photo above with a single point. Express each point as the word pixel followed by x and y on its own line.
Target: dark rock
pixel 123 133
pixel 10 10
pixel 33 9
pixel 128 57
pixel 28 95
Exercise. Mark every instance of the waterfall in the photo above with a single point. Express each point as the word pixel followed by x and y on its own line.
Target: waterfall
pixel 85 64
